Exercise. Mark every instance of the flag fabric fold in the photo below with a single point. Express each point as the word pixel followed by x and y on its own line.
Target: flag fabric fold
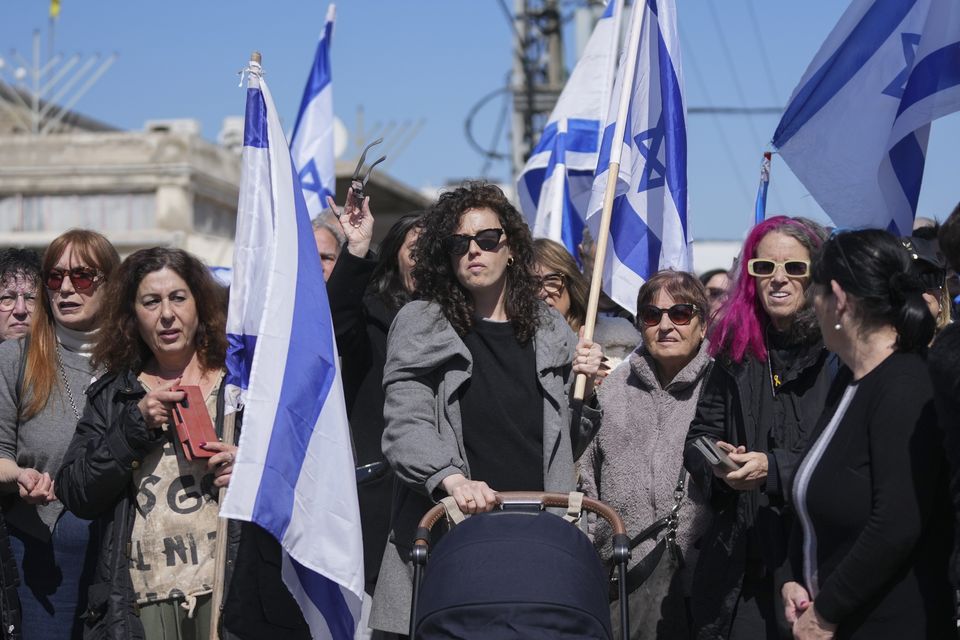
pixel 554 186
pixel 312 140
pixel 649 230
pixel 855 130
pixel 294 473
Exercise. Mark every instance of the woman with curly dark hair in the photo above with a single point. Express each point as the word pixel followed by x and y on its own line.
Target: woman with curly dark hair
pixel 155 505
pixel 476 380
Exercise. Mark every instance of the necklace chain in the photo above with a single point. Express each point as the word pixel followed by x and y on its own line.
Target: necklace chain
pixel 66 385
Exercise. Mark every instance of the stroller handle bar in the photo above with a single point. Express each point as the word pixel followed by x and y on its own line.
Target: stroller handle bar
pixel 543 499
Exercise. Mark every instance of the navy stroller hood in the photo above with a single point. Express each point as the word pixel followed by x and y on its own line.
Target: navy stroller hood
pixel 514 575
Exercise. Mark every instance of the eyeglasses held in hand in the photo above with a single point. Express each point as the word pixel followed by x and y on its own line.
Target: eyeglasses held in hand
pixel 552 283
pixel 82 278
pixel 487 240
pixel 9 300
pixel 763 268
pixel 679 314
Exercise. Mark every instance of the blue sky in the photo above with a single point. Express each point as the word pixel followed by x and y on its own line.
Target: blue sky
pixel 433 60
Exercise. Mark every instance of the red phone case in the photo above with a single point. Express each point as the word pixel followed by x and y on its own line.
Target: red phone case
pixel 193 423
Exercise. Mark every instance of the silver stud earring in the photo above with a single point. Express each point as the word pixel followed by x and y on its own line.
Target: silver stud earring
pixel 837 327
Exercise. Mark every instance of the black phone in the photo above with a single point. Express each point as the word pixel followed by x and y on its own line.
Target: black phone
pixel 715 456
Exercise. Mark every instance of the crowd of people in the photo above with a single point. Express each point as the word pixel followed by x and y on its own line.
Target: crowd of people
pixel 779 438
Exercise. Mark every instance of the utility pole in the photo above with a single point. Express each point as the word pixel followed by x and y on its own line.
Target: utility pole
pixel 538 72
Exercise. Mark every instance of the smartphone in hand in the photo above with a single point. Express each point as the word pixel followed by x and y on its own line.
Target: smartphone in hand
pixel 715 456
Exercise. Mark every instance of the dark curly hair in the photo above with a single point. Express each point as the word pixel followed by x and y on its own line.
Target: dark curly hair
pixel 434 272
pixel 121 346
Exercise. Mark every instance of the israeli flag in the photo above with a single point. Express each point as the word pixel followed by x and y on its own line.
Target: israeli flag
pixel 312 140
pixel 856 128
pixel 554 187
pixel 648 229
pixel 294 474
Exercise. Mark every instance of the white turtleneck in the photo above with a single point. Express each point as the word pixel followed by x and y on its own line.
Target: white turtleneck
pixel 79 342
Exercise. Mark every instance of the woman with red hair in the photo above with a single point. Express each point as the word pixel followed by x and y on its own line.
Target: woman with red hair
pixel 760 403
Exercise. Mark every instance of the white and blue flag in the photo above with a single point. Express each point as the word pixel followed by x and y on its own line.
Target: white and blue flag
pixel 648 229
pixel 312 140
pixel 856 128
pixel 294 475
pixel 554 187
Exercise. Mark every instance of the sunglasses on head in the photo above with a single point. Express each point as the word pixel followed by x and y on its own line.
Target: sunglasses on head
pixel 762 267
pixel 680 314
pixel 487 240
pixel 82 278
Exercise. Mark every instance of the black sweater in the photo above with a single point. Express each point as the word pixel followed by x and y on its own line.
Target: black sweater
pixel 875 499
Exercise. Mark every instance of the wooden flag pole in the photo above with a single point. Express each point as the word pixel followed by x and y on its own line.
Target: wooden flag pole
pixel 220 551
pixel 609 193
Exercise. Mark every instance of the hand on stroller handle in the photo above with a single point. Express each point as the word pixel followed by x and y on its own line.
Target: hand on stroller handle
pixel 472 496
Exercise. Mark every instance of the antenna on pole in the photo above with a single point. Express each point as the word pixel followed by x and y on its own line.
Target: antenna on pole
pixel 38 86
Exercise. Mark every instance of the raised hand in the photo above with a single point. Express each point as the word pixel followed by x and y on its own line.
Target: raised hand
pixel 356 221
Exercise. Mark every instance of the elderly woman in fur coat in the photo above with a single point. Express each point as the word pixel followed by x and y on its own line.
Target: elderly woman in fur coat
pixel 635 463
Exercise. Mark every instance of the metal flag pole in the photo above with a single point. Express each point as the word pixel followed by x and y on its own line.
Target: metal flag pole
pixel 613 171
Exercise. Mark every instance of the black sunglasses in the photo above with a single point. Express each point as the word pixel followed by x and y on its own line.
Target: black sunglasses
pixel 679 314
pixel 487 240
pixel 82 278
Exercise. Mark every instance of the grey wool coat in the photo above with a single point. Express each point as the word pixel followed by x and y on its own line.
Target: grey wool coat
pixel 634 461
pixel 427 363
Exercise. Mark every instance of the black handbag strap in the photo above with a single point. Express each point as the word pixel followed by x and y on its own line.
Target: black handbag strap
pixel 639 573
pixel 669 520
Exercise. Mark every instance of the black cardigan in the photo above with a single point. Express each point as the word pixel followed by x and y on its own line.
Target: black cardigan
pixel 877 504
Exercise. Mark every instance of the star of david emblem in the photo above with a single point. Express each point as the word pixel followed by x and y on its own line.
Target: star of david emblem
pixel 654 173
pixel 910 42
pixel 310 179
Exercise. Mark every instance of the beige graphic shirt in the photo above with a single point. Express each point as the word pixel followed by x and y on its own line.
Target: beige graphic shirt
pixel 175 526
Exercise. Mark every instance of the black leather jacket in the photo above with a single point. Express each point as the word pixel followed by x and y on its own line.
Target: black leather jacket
pixel 95 482
pixel 731 409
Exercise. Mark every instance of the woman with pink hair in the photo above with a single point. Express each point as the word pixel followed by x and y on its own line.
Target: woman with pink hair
pixel 760 404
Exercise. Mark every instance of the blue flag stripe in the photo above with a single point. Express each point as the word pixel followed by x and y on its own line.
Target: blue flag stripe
pixel 320 75
pixel 301 398
pixel 326 596
pixel 936 72
pixel 907 158
pixel 637 247
pixel 874 28
pixel 676 133
pixel 255 123
pixel 240 350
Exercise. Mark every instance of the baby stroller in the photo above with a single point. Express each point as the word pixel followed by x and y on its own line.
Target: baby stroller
pixel 516 572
